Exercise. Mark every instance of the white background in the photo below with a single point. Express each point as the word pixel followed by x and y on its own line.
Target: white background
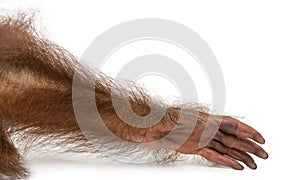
pixel 257 44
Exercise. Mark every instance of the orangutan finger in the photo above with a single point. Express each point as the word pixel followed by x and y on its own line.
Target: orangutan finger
pixel 218 147
pixel 218 158
pixel 241 144
pixel 233 153
pixel 242 156
pixel 233 126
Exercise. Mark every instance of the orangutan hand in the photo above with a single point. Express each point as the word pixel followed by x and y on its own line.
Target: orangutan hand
pixel 231 143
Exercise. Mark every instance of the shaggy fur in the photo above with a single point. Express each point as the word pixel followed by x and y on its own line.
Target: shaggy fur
pixel 36 105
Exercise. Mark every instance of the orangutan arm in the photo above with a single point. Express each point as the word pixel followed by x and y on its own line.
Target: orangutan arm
pixel 37 98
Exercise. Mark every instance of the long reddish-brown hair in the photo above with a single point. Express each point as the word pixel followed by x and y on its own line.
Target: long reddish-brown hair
pixel 36 101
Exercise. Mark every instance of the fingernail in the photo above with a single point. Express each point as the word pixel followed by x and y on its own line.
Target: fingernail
pixel 266 156
pixel 263 140
pixel 240 167
pixel 254 166
pixel 263 155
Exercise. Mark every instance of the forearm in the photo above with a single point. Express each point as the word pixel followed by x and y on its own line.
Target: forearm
pixel 129 114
